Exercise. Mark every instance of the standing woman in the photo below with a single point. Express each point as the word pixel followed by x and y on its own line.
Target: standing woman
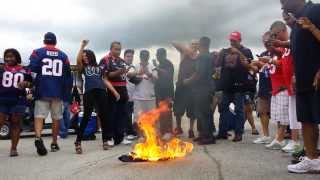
pixel 13 80
pixel 95 94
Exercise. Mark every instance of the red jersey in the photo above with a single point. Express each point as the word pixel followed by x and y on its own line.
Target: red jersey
pixel 288 70
pixel 277 77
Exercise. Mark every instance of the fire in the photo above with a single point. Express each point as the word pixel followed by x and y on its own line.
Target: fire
pixel 153 148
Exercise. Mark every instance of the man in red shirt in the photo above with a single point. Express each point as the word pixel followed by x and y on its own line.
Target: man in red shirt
pixel 280 97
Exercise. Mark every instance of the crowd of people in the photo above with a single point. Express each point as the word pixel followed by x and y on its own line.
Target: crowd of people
pixel 285 78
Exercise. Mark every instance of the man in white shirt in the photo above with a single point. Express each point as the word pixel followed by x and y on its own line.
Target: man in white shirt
pixel 144 95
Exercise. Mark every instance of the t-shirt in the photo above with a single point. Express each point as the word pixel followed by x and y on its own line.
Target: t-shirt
pixel 53 74
pixel 305 49
pixel 265 87
pixel 92 77
pixel 204 70
pixel 288 71
pixel 144 91
pixel 251 83
pixel 164 87
pixel 10 77
pixel 111 64
pixel 233 75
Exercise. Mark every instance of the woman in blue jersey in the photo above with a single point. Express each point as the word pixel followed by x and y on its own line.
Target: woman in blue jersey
pixel 13 80
pixel 95 94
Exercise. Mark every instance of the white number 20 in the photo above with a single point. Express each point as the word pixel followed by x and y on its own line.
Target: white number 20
pixel 52 67
pixel 10 79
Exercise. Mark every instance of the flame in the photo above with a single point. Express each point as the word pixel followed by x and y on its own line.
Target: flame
pixel 153 148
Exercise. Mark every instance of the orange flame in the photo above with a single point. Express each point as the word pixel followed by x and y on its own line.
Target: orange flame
pixel 153 148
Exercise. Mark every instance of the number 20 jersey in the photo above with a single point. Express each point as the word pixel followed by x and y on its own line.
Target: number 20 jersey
pixel 10 77
pixel 52 72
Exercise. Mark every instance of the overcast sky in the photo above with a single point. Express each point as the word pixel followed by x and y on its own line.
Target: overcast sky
pixel 136 23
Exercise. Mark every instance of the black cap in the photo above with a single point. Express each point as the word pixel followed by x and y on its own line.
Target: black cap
pixel 50 38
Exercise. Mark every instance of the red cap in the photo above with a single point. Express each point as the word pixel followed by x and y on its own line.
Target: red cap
pixel 236 36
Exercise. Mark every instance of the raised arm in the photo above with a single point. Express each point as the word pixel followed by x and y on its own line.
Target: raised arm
pixel 184 50
pixel 84 43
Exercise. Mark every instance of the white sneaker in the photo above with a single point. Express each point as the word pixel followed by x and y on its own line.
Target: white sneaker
pixel 166 136
pixel 291 147
pixel 305 166
pixel 263 140
pixel 276 145
pixel 131 137
pixel 126 142
pixel 110 143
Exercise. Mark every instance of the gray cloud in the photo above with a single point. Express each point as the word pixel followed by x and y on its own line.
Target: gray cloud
pixel 147 23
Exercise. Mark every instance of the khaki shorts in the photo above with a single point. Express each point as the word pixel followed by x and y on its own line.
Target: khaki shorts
pixel 44 107
pixel 264 105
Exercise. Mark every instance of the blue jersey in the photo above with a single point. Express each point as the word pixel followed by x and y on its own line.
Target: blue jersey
pixel 53 74
pixel 10 77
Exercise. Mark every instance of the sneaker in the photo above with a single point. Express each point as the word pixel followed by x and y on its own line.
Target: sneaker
pixel 306 166
pixel 191 134
pixel 41 149
pixel 55 147
pixel 110 143
pixel 126 142
pixel 291 147
pixel 276 145
pixel 167 136
pixel 178 131
pixel 263 140
pixel 237 138
pixel 131 137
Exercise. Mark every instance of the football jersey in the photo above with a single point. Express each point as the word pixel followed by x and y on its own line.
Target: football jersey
pixel 52 73
pixel 112 64
pixel 10 77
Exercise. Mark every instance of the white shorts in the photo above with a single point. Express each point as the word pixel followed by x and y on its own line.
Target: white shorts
pixel 141 106
pixel 294 124
pixel 44 107
pixel 280 108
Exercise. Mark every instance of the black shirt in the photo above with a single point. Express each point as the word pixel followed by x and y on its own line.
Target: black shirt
pixel 306 50
pixel 164 87
pixel 251 83
pixel 233 79
pixel 204 71
pixel 265 86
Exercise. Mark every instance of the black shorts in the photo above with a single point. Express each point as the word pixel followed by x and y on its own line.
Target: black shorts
pixel 183 102
pixel 308 107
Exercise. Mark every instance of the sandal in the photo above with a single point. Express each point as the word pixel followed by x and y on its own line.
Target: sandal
pixel 78 147
pixel 105 146
pixel 13 153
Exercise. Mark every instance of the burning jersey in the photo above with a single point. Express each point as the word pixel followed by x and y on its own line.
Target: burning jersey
pixel 10 77
pixel 52 73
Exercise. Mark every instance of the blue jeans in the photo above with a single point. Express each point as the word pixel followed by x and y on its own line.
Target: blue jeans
pixel 65 121
pixel 229 120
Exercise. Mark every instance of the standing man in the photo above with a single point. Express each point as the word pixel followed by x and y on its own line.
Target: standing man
pixel 251 82
pixel 305 51
pixel 202 87
pixel 130 132
pixel 116 73
pixel 53 77
pixel 164 89
pixel 144 96
pixel 183 101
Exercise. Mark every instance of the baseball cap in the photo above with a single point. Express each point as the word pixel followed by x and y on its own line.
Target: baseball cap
pixel 236 36
pixel 50 37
